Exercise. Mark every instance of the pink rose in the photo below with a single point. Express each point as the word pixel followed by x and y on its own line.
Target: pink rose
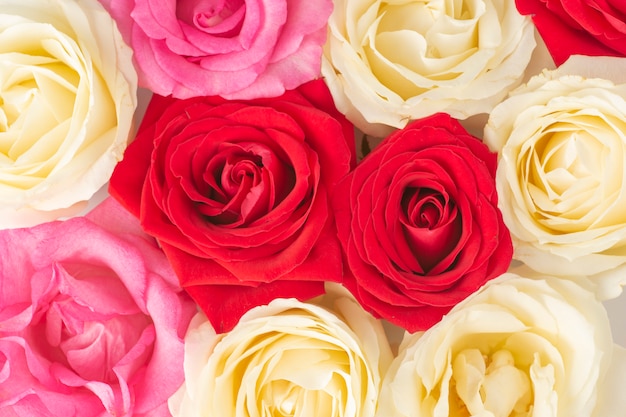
pixel 91 319
pixel 240 49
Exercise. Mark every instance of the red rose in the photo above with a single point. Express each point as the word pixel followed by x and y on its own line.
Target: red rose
pixel 237 193
pixel 579 27
pixel 419 222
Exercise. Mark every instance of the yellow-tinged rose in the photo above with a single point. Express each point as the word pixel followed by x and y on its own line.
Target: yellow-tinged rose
pixel 518 347
pixel 287 358
pixel 390 61
pixel 561 176
pixel 67 98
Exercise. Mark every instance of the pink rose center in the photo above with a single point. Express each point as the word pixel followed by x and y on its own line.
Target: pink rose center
pixel 431 225
pixel 218 17
pixel 89 323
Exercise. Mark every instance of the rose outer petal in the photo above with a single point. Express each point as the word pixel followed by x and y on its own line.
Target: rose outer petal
pixel 236 300
pixel 563 39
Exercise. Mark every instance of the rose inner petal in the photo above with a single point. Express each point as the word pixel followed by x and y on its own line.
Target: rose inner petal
pixel 566 177
pixel 242 183
pixel 491 384
pixel 431 225
pixel 216 17
pixel 83 333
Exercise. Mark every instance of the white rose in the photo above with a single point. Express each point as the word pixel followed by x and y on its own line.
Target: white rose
pixel 67 98
pixel 518 347
pixel 387 62
pixel 561 176
pixel 288 358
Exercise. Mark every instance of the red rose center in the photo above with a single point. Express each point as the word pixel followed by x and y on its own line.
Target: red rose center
pixel 431 225
pixel 242 185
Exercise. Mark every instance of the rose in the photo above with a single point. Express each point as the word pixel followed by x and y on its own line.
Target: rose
pixel 286 358
pixel 91 319
pixel 67 99
pixel 419 223
pixel 388 62
pixel 531 343
pixel 240 49
pixel 237 194
pixel 517 347
pixel 575 27
pixel 561 176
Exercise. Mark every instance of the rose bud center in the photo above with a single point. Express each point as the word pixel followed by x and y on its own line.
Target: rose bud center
pixel 430 223
pixel 243 184
pixel 90 340
pixel 216 17
pixel 491 383
pixel 566 172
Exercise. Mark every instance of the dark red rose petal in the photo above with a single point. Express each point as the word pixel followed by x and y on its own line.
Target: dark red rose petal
pixel 235 300
pixel 576 27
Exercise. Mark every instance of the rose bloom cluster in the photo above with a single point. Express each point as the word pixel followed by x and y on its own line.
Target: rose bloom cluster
pixel 348 208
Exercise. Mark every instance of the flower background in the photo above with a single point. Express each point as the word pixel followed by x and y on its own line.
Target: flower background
pixel 616 307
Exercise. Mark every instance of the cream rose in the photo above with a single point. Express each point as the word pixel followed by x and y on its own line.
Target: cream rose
pixel 389 61
pixel 518 347
pixel 67 98
pixel 561 176
pixel 287 358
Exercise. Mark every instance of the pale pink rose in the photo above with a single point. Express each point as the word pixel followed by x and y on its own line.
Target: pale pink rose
pixel 238 49
pixel 91 319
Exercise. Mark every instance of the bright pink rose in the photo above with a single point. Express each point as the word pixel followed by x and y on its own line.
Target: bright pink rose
pixel 91 319
pixel 579 27
pixel 232 48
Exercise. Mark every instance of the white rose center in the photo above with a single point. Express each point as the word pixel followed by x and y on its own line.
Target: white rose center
pixel 572 176
pixel 292 387
pixel 412 45
pixel 38 91
pixel 491 384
